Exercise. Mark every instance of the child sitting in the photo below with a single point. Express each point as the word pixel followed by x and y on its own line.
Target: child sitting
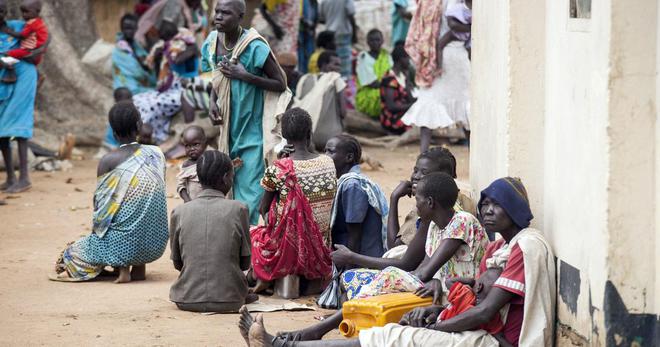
pixel 359 212
pixel 194 141
pixel 210 243
pixel 371 67
pixel 459 17
pixel 33 36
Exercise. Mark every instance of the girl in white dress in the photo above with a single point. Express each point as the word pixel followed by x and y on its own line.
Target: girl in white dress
pixel 446 102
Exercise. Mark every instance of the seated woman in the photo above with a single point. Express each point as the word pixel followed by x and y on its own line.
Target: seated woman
pixel 371 67
pixel 174 58
pixel 129 69
pixel 395 93
pixel 527 285
pixel 297 202
pixel 130 209
pixel 328 88
pixel 437 159
pixel 454 246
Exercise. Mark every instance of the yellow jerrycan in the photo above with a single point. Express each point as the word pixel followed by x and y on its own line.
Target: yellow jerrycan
pixel 377 311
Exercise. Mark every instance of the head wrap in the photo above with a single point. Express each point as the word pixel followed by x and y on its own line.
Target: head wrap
pixel 510 194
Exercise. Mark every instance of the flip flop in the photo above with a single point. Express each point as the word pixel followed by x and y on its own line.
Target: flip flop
pixel 62 277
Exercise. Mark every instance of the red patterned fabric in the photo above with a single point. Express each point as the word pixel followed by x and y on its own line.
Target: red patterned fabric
pixel 388 119
pixel 462 298
pixel 294 244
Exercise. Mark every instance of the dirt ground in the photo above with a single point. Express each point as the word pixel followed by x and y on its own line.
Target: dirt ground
pixel 35 311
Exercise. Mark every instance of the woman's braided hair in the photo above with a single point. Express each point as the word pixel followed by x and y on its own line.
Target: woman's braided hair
pixel 124 118
pixel 351 145
pixel 296 124
pixel 212 167
pixel 443 159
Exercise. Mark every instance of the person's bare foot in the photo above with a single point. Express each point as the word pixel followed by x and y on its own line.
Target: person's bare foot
pixel 253 330
pixel 138 272
pixel 124 275
pixel 66 148
pixel 261 286
pixel 257 335
pixel 251 297
pixel 244 323
pixel 19 187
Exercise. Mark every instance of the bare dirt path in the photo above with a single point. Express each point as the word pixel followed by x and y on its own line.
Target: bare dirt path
pixel 34 311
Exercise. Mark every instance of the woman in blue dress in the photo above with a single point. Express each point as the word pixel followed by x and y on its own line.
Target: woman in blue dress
pixel 16 108
pixel 243 69
pixel 130 209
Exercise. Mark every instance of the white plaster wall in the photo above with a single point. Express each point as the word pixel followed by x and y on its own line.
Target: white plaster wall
pixel 490 83
pixel 571 109
pixel 526 103
pixel 576 150
pixel 657 163
pixel 632 138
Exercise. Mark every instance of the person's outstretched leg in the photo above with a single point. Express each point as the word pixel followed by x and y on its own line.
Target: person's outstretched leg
pixel 23 182
pixel 425 139
pixel 316 331
pixel 5 146
pixel 255 335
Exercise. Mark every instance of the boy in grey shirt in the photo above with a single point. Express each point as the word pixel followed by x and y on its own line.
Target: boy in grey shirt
pixel 210 241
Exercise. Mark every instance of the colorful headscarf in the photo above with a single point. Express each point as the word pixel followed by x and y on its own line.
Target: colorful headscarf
pixel 510 193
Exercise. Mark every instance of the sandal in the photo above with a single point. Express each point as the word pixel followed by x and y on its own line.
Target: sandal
pixel 283 341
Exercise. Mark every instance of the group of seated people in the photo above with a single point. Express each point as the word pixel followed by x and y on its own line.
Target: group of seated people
pixel 163 79
pixel 316 203
pixel 384 82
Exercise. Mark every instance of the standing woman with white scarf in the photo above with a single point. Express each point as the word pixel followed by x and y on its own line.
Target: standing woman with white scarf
pixel 244 72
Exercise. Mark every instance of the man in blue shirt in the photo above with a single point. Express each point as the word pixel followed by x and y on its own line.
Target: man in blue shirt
pixel 360 207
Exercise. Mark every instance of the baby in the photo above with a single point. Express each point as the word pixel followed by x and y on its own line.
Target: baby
pixel 33 36
pixel 461 13
pixel 194 140
pixel 462 297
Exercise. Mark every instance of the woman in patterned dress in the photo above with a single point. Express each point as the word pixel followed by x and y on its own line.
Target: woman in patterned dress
pixel 296 207
pixel 130 209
